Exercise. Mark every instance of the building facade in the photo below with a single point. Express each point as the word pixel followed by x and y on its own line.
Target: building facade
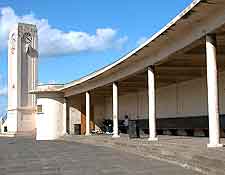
pixel 177 73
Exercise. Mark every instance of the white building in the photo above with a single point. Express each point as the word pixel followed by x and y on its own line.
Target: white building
pixel 178 73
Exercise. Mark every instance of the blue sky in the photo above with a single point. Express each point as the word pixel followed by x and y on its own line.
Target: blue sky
pixel 79 37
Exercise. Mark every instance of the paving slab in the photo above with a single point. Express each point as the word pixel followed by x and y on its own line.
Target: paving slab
pixel 23 156
pixel 188 152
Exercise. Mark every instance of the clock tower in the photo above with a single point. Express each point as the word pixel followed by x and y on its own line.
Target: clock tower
pixel 22 78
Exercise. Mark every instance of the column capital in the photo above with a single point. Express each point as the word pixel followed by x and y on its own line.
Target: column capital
pixel 115 83
pixel 151 67
pixel 211 34
pixel 211 37
pixel 88 92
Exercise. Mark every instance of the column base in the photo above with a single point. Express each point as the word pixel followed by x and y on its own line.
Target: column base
pixel 214 145
pixel 116 136
pixel 153 139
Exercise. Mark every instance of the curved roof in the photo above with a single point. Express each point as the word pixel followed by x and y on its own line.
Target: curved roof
pixel 186 13
pixel 124 58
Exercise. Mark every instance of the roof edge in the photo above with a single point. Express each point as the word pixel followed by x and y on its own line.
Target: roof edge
pixel 153 37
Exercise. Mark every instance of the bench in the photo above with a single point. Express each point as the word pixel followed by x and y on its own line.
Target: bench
pixel 190 126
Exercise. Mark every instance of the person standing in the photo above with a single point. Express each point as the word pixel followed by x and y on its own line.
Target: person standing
pixel 126 123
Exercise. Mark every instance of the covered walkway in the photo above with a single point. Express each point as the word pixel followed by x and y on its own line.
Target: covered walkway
pixel 177 87
pixel 178 73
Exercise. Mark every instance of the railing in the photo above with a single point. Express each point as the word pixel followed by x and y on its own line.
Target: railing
pixel 4 118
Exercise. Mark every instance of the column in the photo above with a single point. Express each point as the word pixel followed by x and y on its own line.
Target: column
pixel 115 111
pixel 87 113
pixel 68 108
pixel 65 106
pixel 151 105
pixel 212 84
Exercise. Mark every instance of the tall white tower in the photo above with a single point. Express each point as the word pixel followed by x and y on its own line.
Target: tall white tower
pixel 22 77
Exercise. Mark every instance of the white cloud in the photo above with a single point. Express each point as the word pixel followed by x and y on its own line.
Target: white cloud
pixel 141 40
pixel 49 82
pixel 3 91
pixel 53 41
pixel 3 87
pixel 3 109
pixel 40 83
pixel 52 82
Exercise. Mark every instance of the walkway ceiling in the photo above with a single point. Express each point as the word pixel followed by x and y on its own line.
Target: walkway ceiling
pixel 186 64
pixel 182 64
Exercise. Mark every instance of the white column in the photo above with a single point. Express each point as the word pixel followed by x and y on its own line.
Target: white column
pixel 64 116
pixel 87 113
pixel 115 111
pixel 151 105
pixel 213 111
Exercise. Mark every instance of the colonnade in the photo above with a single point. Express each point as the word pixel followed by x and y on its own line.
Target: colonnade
pixel 212 84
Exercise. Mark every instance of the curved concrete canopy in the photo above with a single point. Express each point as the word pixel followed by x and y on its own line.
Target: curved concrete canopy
pixel 194 18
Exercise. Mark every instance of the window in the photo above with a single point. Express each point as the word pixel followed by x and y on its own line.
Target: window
pixel 39 109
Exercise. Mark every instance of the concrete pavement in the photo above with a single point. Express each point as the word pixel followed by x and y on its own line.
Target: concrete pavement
pixel 23 156
pixel 188 152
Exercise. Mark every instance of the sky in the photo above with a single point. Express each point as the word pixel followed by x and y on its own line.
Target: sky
pixel 79 37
